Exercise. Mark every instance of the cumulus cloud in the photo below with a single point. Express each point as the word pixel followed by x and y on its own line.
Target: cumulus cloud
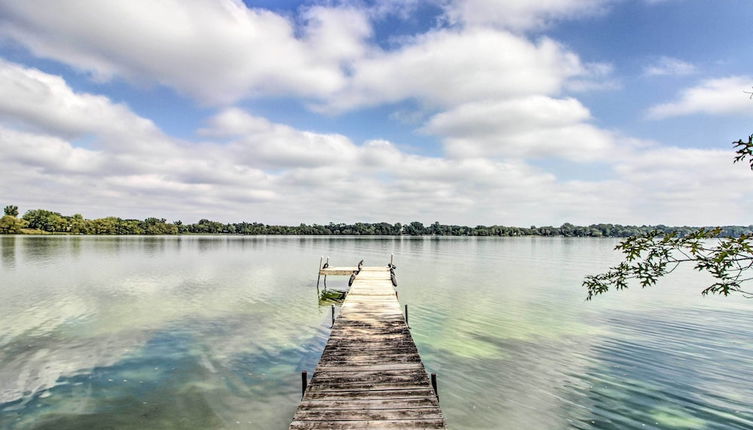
pixel 668 66
pixel 260 142
pixel 220 52
pixel 689 186
pixel 248 167
pixel 717 96
pixel 446 67
pixel 534 126
pixel 215 51
pixel 519 15
pixel 40 99
pixel 492 95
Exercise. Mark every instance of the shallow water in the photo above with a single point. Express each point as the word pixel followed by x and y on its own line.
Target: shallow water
pixel 212 332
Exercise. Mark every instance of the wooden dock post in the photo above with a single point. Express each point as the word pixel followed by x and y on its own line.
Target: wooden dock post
pixel 319 272
pixel 370 374
pixel 434 384
pixel 304 382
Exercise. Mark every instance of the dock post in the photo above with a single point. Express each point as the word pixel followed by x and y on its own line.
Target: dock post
pixel 333 315
pixel 391 257
pixel 434 384
pixel 406 316
pixel 304 382
pixel 319 272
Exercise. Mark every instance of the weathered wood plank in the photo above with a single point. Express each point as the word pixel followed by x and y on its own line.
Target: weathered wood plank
pixel 359 395
pixel 347 425
pixel 373 404
pixel 429 412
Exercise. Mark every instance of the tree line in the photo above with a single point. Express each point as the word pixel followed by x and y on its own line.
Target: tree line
pixel 45 221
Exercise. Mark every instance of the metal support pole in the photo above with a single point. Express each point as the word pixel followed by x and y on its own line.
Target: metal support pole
pixel 391 257
pixel 319 272
pixel 304 382
pixel 406 316
pixel 333 315
pixel 434 384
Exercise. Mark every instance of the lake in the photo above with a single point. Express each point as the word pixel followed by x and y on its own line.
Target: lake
pixel 201 332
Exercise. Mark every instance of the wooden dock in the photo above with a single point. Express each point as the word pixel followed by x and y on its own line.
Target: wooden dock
pixel 370 375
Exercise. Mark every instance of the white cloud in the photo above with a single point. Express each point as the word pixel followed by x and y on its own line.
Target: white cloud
pixel 260 170
pixel 668 66
pixel 217 51
pixel 37 98
pixel 520 15
pixel 689 186
pixel 719 96
pixel 262 143
pixel 446 68
pixel 534 126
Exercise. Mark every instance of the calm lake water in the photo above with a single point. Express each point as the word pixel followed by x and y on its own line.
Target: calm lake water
pixel 212 332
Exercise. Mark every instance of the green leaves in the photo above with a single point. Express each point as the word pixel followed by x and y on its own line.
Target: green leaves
pixel 650 256
pixel 11 210
pixel 744 150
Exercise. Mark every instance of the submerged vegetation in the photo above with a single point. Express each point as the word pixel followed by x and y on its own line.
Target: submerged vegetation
pixel 43 221
pixel 331 297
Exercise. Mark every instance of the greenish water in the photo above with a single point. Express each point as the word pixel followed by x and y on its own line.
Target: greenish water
pixel 212 332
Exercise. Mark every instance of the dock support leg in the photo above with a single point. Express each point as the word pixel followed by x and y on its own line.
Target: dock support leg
pixel 333 315
pixel 304 382
pixel 318 272
pixel 406 316
pixel 434 384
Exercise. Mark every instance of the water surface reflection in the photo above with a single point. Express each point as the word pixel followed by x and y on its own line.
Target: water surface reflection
pixel 211 332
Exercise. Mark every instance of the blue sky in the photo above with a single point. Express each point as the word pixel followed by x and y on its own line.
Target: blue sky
pixel 472 112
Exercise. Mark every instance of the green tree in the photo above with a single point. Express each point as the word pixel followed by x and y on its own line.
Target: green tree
pixel 650 256
pixel 45 220
pixel 11 210
pixel 9 224
pixel 78 225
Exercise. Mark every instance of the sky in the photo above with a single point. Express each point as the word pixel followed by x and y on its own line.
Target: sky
pixel 507 112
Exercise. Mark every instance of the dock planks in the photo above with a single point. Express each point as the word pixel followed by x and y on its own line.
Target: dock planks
pixel 370 375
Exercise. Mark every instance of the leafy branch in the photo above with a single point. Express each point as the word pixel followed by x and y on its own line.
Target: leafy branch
pixel 744 150
pixel 649 257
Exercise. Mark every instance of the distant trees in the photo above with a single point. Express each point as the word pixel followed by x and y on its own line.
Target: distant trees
pixel 45 220
pixel 9 223
pixel 54 222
